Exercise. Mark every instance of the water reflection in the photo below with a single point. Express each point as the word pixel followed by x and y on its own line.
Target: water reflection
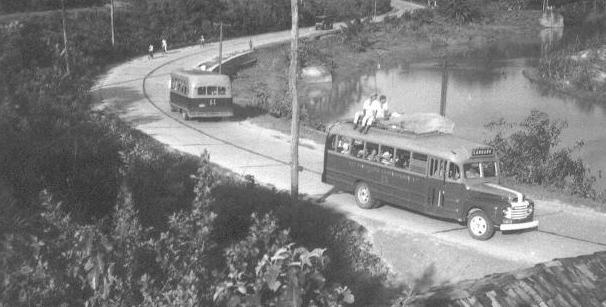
pixel 479 91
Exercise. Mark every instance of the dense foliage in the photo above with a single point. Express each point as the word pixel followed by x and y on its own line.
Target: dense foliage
pixel 11 6
pixel 529 153
pixel 92 211
pixel 47 259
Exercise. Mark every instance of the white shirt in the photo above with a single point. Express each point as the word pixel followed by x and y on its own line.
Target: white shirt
pixel 366 105
pixel 380 108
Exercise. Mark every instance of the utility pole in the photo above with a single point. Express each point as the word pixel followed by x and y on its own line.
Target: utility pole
pixel 444 87
pixel 111 16
pixel 375 12
pixel 292 85
pixel 220 45
pixel 65 52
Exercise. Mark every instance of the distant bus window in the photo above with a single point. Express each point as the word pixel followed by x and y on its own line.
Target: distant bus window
pixel 418 164
pixel 202 90
pixel 222 91
pixel 211 90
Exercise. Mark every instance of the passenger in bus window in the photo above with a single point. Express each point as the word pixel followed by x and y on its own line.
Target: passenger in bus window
pixel 453 172
pixel 346 149
pixel 362 153
pixel 372 156
pixel 386 158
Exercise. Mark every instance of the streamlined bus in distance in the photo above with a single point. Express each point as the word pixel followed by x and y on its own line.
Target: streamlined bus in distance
pixel 198 93
pixel 441 175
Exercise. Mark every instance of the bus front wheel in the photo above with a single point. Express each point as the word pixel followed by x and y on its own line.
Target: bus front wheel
pixel 363 196
pixel 480 227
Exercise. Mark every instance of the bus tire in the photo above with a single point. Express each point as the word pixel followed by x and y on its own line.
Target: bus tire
pixel 363 196
pixel 480 227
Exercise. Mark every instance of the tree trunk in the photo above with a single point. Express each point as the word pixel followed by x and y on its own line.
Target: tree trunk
pixel 292 85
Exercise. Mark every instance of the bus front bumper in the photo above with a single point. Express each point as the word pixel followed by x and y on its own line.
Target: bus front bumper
pixel 211 114
pixel 527 225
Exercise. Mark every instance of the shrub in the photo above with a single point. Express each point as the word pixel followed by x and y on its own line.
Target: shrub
pixel 529 155
pixel 461 11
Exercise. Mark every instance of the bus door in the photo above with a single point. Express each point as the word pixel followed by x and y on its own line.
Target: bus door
pixel 453 191
pixel 435 186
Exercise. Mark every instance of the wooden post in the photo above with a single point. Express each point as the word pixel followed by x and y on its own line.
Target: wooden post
pixel 111 16
pixel 444 88
pixel 292 85
pixel 66 53
pixel 220 45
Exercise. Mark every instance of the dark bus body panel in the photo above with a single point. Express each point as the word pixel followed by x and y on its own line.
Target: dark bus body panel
pixel 203 107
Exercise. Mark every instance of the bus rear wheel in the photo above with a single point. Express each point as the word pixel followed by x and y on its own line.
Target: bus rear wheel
pixel 363 196
pixel 480 227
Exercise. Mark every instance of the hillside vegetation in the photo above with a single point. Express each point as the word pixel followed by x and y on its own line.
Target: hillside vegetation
pixel 94 213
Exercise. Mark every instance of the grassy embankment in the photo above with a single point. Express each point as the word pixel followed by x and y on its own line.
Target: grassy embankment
pixel 419 38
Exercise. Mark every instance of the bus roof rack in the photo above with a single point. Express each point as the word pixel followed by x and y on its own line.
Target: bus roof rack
pixel 414 125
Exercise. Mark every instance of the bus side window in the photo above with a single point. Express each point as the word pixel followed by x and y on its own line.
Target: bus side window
pixel 343 145
pixel 373 152
pixel 202 90
pixel 387 154
pixel 437 168
pixel 402 158
pixel 453 171
pixel 332 142
pixel 357 149
pixel 211 90
pixel 418 164
pixel 222 91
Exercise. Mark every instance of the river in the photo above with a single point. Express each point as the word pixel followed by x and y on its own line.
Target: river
pixel 480 90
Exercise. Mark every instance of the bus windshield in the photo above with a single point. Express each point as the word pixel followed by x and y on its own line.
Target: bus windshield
pixel 487 169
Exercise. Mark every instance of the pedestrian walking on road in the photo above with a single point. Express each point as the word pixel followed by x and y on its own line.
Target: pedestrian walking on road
pixel 150 51
pixel 164 46
pixel 250 44
pixel 201 41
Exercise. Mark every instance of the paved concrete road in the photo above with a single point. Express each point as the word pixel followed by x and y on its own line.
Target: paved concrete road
pixel 413 244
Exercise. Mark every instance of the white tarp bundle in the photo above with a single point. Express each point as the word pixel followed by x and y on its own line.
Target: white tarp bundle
pixel 419 123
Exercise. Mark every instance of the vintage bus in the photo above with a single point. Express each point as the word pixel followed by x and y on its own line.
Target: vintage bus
pixel 441 175
pixel 198 93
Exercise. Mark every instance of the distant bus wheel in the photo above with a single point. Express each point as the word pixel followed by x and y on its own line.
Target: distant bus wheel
pixel 480 227
pixel 363 196
pixel 185 115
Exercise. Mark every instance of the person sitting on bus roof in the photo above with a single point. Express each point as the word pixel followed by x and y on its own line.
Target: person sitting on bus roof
pixel 365 109
pixel 379 110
